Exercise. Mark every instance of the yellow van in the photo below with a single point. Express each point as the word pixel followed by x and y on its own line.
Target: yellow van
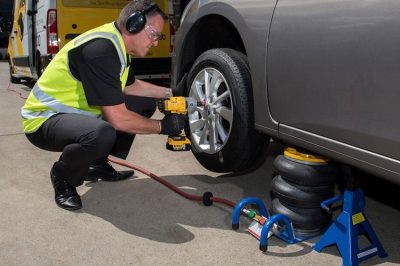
pixel 41 28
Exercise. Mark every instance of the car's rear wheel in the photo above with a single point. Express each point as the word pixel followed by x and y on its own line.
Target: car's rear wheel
pixel 222 131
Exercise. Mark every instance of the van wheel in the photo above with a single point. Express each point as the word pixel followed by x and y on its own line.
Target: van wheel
pixel 39 66
pixel 222 131
pixel 12 78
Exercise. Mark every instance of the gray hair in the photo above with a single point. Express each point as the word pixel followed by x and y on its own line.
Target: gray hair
pixel 135 6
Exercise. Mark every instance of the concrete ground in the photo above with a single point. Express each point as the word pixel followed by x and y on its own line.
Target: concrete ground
pixel 139 221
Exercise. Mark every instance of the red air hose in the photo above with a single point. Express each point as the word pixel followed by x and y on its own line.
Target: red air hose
pixel 17 92
pixel 207 197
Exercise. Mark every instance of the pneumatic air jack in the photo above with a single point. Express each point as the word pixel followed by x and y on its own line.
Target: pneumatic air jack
pixel 264 226
pixel 352 222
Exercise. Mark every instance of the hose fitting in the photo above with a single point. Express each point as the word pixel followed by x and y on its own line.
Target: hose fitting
pixel 207 198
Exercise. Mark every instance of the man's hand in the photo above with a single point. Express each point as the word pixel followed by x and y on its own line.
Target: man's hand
pixel 172 125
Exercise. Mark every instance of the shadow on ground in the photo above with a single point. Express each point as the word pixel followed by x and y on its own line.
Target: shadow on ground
pixel 145 208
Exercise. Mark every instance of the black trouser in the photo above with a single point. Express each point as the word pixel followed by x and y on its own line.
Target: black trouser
pixel 85 140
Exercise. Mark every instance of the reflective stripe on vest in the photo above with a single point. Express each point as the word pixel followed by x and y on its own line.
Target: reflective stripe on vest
pixel 56 106
pixel 27 114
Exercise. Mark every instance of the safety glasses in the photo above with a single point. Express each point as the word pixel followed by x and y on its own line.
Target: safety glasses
pixel 153 34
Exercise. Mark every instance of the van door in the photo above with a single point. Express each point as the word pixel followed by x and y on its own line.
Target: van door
pixel 75 16
pixel 21 40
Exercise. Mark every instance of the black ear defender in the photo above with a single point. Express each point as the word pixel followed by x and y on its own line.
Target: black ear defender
pixel 136 22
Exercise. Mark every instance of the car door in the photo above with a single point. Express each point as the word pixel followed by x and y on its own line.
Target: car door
pixel 334 71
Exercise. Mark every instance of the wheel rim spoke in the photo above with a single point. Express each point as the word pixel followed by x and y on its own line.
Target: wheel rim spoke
pixel 215 82
pixel 197 92
pixel 224 96
pixel 207 84
pixel 221 131
pixel 203 135
pixel 225 113
pixel 197 125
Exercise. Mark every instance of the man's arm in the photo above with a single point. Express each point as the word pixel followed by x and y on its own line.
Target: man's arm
pixel 146 89
pixel 130 122
pixel 124 120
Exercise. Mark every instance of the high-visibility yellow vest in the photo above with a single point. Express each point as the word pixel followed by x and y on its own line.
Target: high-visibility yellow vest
pixel 57 91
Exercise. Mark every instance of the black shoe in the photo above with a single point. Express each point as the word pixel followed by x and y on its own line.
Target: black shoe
pixel 106 172
pixel 66 196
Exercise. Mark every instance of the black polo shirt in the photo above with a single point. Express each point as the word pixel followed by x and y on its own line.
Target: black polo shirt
pixel 96 64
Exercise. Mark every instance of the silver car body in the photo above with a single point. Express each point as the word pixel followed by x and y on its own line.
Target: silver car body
pixel 325 73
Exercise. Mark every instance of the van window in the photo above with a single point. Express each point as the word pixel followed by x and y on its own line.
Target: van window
pixel 96 3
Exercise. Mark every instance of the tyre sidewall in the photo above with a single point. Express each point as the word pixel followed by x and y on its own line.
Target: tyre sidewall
pixel 234 155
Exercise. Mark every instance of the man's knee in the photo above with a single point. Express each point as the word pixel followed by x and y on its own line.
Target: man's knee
pixel 102 138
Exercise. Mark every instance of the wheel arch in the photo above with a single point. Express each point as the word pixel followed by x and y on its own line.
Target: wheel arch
pixel 209 32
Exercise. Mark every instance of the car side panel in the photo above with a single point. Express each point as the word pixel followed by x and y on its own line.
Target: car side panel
pixel 334 71
pixel 252 20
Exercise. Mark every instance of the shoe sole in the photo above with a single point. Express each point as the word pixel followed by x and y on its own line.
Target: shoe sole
pixel 69 209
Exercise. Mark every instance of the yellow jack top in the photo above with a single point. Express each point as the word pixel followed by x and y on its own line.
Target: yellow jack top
pixel 303 157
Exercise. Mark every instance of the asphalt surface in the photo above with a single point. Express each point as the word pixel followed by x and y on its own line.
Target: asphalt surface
pixel 140 222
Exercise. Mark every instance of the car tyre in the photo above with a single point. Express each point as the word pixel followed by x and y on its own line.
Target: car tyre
pixel 222 131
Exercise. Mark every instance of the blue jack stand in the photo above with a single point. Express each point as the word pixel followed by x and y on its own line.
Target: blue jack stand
pixel 285 232
pixel 352 222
